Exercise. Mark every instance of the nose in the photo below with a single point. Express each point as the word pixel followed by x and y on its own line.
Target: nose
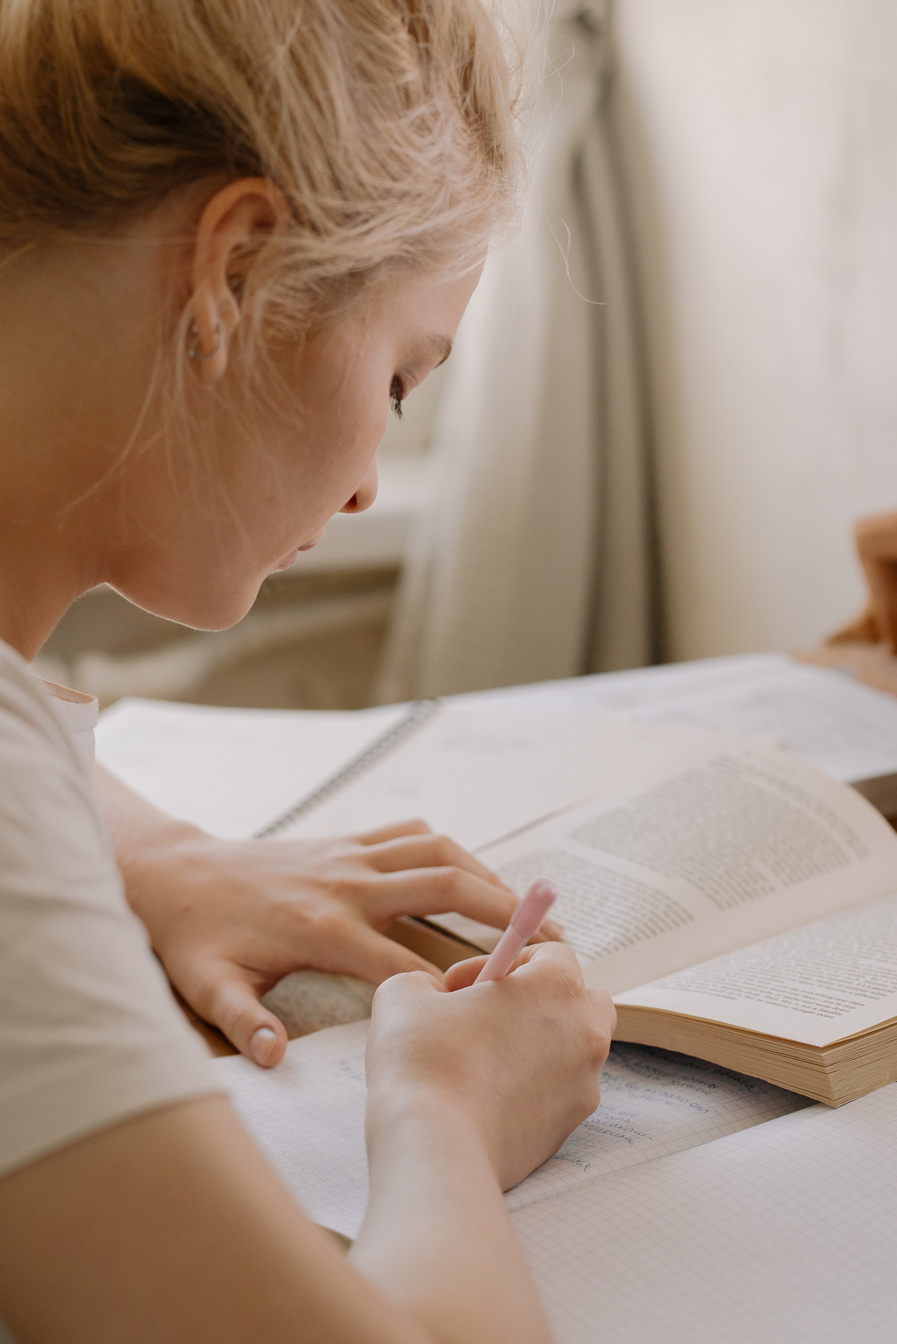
pixel 365 494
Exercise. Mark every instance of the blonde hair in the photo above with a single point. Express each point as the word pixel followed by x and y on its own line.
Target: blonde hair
pixel 390 126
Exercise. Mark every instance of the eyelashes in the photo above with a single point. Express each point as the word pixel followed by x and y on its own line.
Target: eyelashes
pixel 396 396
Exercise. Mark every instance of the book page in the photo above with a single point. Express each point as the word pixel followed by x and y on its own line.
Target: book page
pixel 720 850
pixel 816 984
pixel 840 726
pixel 478 776
pixel 783 1232
pixel 307 1115
pixel 231 771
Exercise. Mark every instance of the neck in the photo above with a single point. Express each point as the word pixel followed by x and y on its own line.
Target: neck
pixel 41 574
pixel 67 348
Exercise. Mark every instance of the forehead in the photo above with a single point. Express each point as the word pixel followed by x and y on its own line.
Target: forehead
pixel 427 307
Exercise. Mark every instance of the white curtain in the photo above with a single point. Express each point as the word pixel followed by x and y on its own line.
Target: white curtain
pixel 533 560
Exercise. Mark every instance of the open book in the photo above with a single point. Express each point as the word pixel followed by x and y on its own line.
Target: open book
pixel 695 846
pixel 740 906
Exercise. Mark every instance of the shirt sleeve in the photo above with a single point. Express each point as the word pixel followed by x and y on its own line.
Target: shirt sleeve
pixel 89 1030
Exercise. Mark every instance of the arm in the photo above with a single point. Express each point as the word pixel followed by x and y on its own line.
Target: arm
pixel 172 1227
pixel 230 918
pixel 478 1121
pixel 876 544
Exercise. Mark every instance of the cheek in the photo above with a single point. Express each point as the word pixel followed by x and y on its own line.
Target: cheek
pixel 348 447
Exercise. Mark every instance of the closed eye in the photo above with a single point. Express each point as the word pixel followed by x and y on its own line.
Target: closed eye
pixel 396 396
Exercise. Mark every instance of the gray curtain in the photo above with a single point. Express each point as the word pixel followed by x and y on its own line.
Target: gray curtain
pixel 533 559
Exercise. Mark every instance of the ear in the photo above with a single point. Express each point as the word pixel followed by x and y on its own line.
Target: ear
pixel 235 221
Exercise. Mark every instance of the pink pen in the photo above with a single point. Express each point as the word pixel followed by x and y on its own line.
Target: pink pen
pixel 525 920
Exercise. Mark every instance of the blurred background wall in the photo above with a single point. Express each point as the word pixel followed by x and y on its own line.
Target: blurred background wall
pixel 672 398
pixel 759 139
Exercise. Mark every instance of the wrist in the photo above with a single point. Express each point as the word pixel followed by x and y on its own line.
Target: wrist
pixel 148 847
pixel 423 1114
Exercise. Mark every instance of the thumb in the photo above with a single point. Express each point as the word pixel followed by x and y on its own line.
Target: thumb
pixel 233 1006
pixel 463 973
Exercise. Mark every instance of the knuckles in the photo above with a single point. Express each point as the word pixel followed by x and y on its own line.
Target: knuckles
pixel 443 852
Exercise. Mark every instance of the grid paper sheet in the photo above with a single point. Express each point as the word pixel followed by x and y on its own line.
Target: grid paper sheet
pixel 653 1102
pixel 785 1233
pixel 307 1115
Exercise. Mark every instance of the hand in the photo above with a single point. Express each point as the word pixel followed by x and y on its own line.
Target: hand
pixel 230 918
pixel 518 1057
pixel 876 543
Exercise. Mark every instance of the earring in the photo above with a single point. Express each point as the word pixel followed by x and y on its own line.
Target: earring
pixel 194 352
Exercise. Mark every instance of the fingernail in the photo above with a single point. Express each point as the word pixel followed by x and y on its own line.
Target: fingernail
pixel 261 1045
pixel 552 928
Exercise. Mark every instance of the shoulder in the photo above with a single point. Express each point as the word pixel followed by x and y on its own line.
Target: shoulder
pixel 45 793
pixel 89 1031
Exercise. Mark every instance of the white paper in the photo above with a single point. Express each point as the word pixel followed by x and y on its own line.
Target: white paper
pixel 307 1115
pixel 231 771
pixel 783 1233
pixel 653 1102
pixel 478 775
pixel 835 723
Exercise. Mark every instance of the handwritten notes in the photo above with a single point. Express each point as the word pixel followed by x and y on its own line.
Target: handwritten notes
pixel 307 1116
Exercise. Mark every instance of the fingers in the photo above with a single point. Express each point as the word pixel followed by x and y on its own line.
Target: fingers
pixel 435 867
pixel 876 543
pixel 436 891
pixel 425 850
pixel 881 580
pixel 605 1004
pixel 863 630
pixel 463 973
pixel 375 958
pixel 383 834
pixel 544 957
pixel 231 1004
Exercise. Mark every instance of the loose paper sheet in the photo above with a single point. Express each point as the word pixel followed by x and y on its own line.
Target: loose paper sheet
pixel 307 1115
pixel 838 725
pixel 231 771
pixel 782 1233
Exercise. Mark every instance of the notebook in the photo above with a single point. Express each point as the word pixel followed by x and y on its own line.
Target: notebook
pixel 307 1116
pixel 701 1208
pixel 695 1206
pixel 784 1233
pixel 275 773
pixel 239 772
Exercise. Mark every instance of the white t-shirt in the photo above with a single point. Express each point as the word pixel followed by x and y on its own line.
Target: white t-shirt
pixel 89 1030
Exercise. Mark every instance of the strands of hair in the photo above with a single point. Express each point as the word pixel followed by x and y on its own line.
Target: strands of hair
pixel 391 126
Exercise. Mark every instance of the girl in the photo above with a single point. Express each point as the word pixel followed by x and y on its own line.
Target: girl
pixel 231 232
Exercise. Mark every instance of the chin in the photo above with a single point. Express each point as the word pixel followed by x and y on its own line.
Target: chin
pixel 206 610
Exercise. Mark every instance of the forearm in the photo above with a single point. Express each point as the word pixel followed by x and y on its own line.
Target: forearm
pixel 437 1237
pixel 133 823
pixel 140 833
